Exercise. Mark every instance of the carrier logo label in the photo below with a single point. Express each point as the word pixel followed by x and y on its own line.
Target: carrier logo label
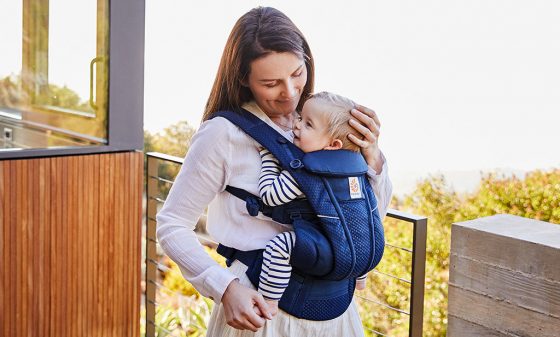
pixel 355 189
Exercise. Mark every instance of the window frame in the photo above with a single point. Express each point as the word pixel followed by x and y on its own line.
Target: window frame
pixel 125 105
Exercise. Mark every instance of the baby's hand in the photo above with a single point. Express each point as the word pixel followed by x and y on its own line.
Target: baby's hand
pixel 361 284
pixel 272 307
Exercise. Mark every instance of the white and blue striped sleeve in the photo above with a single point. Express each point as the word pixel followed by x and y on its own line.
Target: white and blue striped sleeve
pixel 276 187
pixel 276 268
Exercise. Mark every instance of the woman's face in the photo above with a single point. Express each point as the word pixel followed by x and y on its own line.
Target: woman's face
pixel 277 81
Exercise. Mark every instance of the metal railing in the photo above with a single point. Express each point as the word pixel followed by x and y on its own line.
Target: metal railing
pixel 153 266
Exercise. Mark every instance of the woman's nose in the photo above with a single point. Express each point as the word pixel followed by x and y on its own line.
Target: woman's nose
pixel 290 89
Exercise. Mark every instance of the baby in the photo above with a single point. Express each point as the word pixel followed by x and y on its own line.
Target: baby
pixel 322 125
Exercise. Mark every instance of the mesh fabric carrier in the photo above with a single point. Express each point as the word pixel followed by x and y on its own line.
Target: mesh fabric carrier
pixel 339 234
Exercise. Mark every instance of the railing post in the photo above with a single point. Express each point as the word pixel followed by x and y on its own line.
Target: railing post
pixel 418 277
pixel 151 268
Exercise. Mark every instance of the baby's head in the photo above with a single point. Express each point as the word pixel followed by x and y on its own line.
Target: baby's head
pixel 323 124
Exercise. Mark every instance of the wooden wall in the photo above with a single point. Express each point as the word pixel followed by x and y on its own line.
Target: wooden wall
pixel 70 245
pixel 504 278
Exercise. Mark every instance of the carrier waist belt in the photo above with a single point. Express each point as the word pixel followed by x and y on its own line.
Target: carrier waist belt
pixel 306 296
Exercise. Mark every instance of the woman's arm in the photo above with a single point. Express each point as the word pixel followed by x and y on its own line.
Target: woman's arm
pixel 204 174
pixel 382 187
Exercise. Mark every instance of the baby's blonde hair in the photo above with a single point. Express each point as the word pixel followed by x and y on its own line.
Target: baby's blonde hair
pixel 338 115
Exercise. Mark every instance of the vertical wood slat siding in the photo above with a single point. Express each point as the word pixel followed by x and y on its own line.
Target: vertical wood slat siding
pixel 70 245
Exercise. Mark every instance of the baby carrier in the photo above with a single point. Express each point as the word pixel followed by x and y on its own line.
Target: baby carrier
pixel 339 234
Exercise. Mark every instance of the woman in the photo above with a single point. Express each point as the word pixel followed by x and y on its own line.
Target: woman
pixel 266 68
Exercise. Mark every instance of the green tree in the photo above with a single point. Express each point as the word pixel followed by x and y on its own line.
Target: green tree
pixel 537 196
pixel 173 140
pixel 63 97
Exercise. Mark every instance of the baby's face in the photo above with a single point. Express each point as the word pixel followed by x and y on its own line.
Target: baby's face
pixel 311 128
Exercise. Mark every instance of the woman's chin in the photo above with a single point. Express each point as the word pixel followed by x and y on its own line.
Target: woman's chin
pixel 286 107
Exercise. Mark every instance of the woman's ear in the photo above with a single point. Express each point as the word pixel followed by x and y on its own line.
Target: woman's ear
pixel 336 144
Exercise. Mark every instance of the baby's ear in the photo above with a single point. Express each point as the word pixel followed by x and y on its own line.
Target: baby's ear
pixel 336 144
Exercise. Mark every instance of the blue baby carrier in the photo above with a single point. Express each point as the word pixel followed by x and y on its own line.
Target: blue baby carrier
pixel 339 234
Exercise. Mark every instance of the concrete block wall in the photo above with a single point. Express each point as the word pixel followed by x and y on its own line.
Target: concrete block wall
pixel 504 278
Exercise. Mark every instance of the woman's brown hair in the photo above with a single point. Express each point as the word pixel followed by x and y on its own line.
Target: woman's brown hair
pixel 257 33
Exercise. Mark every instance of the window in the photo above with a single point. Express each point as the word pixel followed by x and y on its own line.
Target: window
pixel 54 74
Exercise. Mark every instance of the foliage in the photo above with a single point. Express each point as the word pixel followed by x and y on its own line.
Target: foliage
pixel 537 197
pixel 10 93
pixel 174 281
pixel 63 97
pixel 173 140
pixel 186 320
pixel 181 310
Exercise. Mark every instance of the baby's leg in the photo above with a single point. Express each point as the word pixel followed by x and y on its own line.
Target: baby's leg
pixel 276 269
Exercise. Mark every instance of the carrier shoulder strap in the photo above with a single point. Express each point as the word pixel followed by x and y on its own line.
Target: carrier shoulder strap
pixel 287 153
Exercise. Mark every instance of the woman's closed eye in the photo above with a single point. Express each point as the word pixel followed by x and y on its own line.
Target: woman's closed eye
pixel 270 84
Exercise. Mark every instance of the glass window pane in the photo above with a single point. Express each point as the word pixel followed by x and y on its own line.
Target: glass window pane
pixel 11 55
pixel 71 51
pixel 54 74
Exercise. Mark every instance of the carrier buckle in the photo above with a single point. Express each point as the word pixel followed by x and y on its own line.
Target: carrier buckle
pixel 295 216
pixel 253 205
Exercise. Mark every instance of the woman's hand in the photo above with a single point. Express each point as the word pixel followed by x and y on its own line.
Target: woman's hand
pixel 361 284
pixel 368 125
pixel 243 307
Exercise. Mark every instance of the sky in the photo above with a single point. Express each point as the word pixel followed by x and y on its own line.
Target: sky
pixel 458 85
pixel 471 85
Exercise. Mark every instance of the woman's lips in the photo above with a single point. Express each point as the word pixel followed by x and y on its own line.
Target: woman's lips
pixel 284 101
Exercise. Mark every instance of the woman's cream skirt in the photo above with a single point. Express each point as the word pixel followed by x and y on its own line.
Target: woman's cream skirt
pixel 283 324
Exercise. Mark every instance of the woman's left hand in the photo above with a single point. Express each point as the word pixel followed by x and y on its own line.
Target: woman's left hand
pixel 367 123
pixel 361 284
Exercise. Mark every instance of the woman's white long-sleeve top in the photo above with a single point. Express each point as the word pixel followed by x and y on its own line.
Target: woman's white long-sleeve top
pixel 221 154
